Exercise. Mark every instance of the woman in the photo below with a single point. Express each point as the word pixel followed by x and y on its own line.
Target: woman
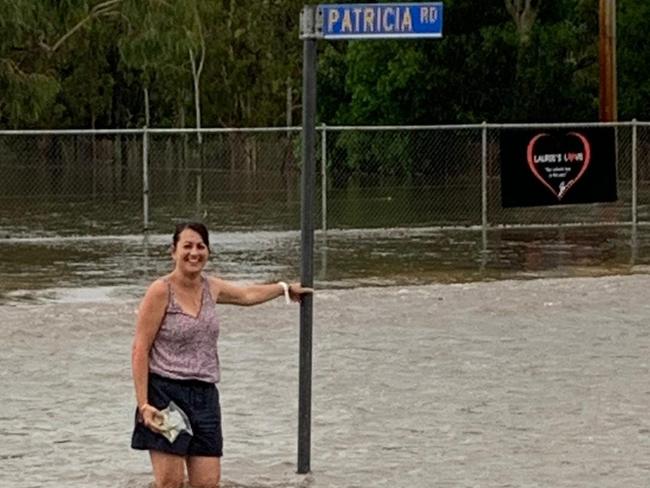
pixel 175 358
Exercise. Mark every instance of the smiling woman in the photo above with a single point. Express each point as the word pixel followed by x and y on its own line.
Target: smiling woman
pixel 175 361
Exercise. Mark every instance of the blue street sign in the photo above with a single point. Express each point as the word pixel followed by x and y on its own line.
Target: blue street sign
pixel 381 20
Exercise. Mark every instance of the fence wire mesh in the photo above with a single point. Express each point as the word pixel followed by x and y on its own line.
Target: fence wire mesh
pixel 391 178
pixel 95 183
pixel 55 184
pixel 643 172
pixel 232 180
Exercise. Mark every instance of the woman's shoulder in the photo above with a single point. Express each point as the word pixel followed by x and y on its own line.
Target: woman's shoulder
pixel 159 288
pixel 214 283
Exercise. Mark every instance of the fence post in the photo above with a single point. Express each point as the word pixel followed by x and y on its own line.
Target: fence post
pixel 634 173
pixel 484 211
pixel 199 193
pixel 145 179
pixel 199 171
pixel 323 174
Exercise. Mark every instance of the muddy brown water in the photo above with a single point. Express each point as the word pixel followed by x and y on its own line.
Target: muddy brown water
pixel 475 371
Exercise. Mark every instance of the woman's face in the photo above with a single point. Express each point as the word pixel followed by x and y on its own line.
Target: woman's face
pixel 191 253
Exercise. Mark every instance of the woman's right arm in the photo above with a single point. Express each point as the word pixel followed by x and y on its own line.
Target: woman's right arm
pixel 150 315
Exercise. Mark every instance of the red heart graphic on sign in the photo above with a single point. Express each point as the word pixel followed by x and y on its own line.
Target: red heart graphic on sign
pixel 559 161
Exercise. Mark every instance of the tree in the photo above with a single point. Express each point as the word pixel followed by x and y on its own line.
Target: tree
pixel 633 59
pixel 84 63
pixel 164 41
pixel 524 13
pixel 35 49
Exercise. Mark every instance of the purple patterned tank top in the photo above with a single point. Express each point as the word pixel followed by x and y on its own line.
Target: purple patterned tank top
pixel 185 347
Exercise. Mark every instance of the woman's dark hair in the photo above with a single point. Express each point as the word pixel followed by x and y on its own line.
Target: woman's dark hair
pixel 197 227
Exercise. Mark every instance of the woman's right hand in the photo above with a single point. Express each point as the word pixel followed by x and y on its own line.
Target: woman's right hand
pixel 151 417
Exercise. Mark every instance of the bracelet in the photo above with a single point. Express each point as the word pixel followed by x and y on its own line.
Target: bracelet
pixel 285 287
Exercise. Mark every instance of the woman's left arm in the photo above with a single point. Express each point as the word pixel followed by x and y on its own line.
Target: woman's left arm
pixel 227 292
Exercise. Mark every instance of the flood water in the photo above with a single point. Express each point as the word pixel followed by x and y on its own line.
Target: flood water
pixel 110 267
pixel 442 358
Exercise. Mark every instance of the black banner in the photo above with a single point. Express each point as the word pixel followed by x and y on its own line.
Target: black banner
pixel 557 166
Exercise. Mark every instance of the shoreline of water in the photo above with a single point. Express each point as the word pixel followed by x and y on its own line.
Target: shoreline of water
pixel 70 269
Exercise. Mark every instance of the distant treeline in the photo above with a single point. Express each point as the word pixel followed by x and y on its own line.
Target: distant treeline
pixel 227 63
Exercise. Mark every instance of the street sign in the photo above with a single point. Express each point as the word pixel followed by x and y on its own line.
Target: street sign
pixel 381 20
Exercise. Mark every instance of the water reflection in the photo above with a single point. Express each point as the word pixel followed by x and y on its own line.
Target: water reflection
pixel 105 268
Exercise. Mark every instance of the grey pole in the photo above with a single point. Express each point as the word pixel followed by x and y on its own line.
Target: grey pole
pixel 634 237
pixel 323 176
pixel 145 162
pixel 307 233
pixel 484 174
pixel 634 171
pixel 145 179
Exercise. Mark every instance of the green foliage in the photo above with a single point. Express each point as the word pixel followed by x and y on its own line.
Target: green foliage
pixel 28 86
pixel 256 50
pixel 83 63
pixel 374 152
pixel 27 98
pixel 633 59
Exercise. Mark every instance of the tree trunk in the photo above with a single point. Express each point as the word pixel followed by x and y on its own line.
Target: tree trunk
pixel 524 13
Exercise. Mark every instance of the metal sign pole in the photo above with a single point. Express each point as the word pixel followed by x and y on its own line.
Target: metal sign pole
pixel 307 232
pixel 349 21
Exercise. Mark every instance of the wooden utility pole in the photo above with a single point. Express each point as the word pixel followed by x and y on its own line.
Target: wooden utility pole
pixel 607 59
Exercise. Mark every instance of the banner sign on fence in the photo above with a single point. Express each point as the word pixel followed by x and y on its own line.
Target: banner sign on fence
pixel 557 166
pixel 381 20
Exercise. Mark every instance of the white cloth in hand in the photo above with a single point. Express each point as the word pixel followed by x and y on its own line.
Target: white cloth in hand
pixel 174 421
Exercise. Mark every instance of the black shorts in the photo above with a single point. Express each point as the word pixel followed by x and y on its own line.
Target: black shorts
pixel 200 402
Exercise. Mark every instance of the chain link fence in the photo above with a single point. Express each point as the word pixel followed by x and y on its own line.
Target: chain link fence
pixel 402 178
pixel 232 180
pixel 61 183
